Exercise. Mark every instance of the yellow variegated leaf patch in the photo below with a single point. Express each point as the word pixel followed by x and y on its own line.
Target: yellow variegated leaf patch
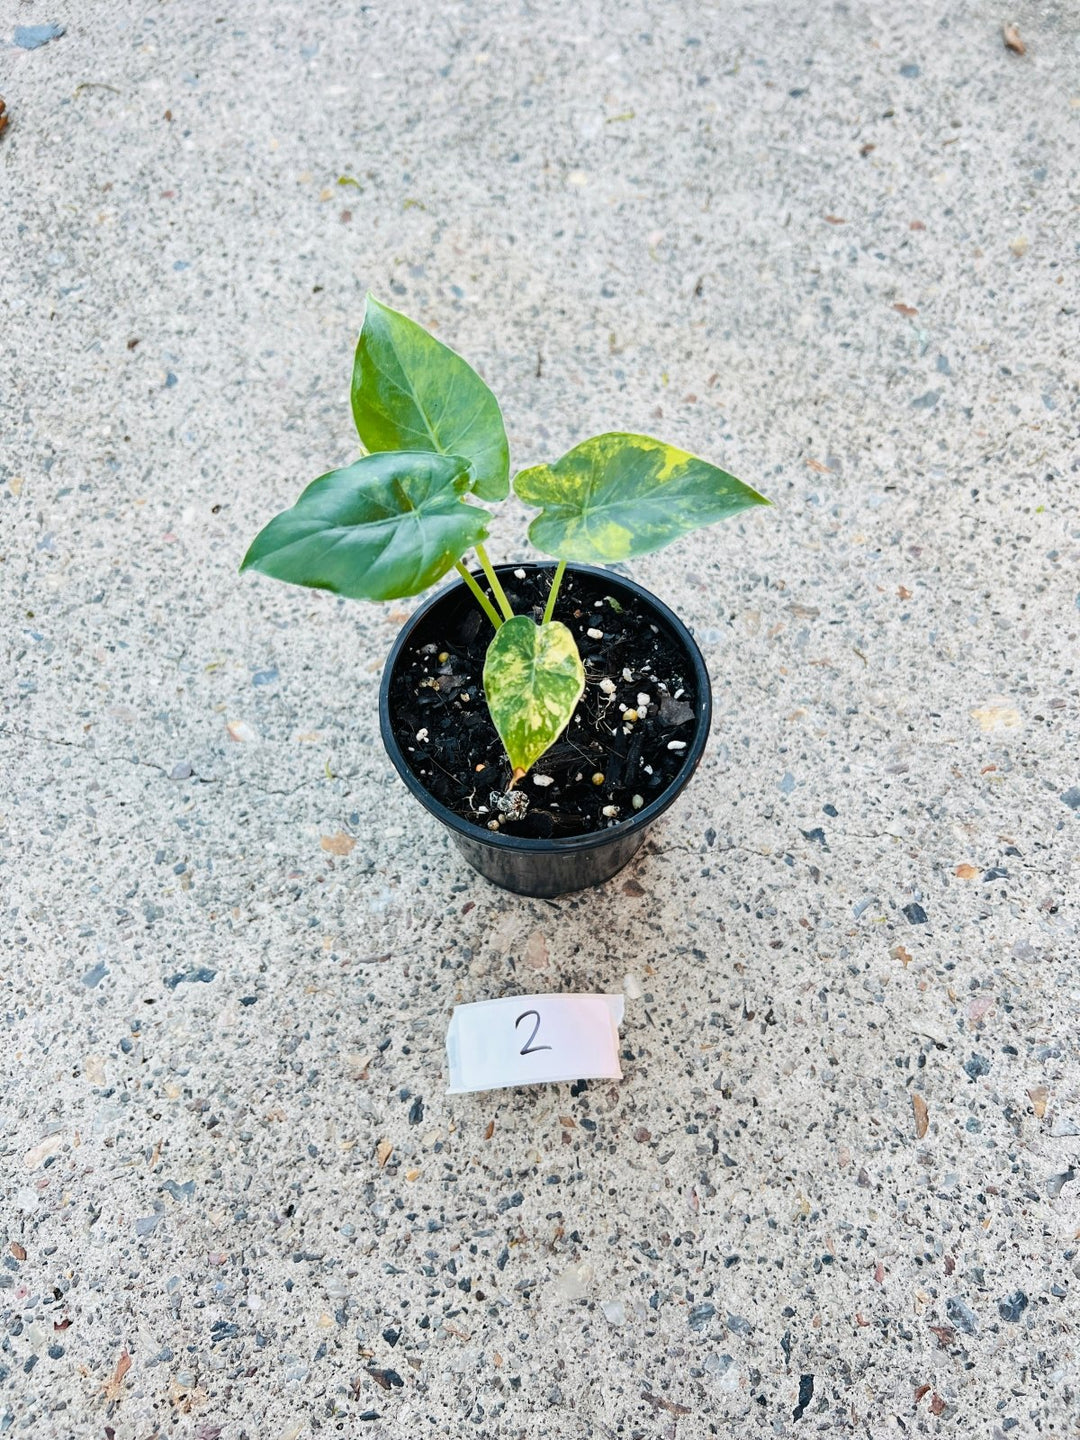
pixel 533 679
pixel 616 496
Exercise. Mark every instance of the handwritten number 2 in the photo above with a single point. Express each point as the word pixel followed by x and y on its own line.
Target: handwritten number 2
pixel 529 1048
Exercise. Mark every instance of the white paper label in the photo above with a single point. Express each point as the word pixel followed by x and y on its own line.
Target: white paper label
pixel 533 1040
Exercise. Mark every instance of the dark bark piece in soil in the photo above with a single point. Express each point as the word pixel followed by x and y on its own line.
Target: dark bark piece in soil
pixel 441 721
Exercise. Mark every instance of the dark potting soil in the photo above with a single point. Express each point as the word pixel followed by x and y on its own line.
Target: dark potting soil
pixel 441 720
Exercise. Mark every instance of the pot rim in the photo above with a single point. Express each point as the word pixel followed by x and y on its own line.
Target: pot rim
pixel 567 844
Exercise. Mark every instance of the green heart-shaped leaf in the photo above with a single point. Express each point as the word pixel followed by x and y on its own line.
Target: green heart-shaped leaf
pixel 616 495
pixel 533 679
pixel 386 526
pixel 411 392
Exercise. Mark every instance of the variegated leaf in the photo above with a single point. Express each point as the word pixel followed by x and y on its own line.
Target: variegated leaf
pixel 616 496
pixel 533 679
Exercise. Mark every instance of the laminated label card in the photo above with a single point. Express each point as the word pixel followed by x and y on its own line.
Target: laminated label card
pixel 533 1040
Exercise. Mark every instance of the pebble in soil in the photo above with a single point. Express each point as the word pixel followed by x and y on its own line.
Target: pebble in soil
pixel 624 745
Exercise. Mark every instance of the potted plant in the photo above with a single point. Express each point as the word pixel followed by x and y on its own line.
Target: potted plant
pixel 545 714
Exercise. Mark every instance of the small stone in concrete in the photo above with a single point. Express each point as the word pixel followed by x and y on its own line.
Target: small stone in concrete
pixel 197 975
pixel 1055 1183
pixel 32 37
pixel 961 1315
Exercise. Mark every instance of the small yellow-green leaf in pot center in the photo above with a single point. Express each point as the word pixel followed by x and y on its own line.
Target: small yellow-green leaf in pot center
pixel 533 679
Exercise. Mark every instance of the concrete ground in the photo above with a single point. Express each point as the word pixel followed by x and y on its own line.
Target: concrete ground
pixel 831 246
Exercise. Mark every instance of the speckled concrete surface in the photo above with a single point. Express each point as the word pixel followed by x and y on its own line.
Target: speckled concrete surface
pixel 832 246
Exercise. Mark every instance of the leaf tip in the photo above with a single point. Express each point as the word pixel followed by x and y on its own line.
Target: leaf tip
pixel 372 306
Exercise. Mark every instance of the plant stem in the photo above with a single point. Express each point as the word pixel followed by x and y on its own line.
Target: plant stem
pixel 549 608
pixel 493 581
pixel 485 604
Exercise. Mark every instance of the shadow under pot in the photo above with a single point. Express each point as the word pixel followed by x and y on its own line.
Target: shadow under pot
pixel 631 747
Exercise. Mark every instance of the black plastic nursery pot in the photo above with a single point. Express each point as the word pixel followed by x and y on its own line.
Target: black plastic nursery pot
pixel 557 864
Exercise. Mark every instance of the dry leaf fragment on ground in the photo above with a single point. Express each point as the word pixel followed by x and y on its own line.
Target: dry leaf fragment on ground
pixel 901 953
pixel 1038 1095
pixel 1011 35
pixel 658 1402
pixel 383 1151
pixel 4 116
pixel 112 1389
pixel 17 1250
pixel 922 1119
pixel 908 310
pixel 966 872
pixel 339 844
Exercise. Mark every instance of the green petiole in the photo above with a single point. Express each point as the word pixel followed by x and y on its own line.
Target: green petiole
pixel 549 608
pixel 482 600
pixel 493 581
